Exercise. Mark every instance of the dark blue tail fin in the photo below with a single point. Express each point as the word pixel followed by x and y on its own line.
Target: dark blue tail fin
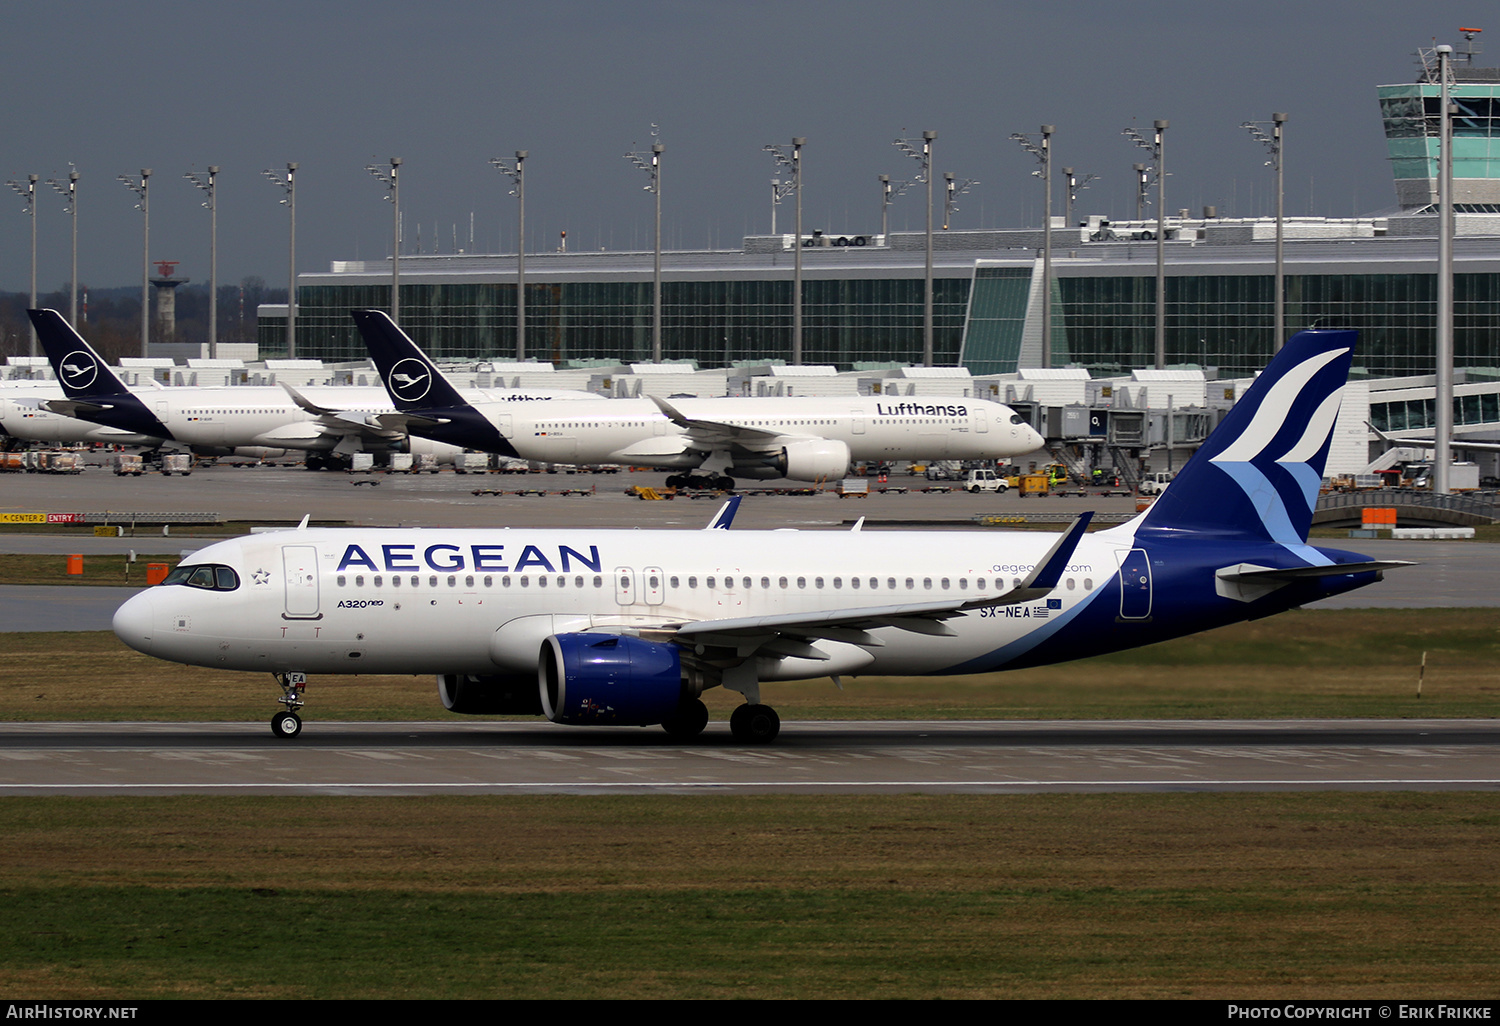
pixel 93 391
pixel 418 388
pixel 1258 473
pixel 414 382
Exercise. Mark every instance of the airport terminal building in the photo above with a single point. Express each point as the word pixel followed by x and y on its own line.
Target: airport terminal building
pixel 863 294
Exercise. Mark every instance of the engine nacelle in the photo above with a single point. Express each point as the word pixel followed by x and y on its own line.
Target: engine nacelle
pixel 444 452
pixel 814 459
pixel 608 679
pixel 513 693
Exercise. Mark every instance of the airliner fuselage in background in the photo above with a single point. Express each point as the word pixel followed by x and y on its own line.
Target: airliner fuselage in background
pixel 805 438
pixel 318 419
pixel 629 627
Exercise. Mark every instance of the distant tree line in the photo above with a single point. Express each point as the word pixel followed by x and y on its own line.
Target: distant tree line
pixel 111 321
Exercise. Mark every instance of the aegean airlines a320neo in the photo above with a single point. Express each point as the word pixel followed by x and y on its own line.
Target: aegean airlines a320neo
pixel 630 627
pixel 708 441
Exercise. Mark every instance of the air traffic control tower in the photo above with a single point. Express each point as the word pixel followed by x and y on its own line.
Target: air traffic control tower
pixel 1411 114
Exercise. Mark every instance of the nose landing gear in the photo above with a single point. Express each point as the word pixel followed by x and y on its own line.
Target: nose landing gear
pixel 287 724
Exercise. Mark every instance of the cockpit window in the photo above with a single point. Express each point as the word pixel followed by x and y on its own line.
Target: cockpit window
pixel 209 576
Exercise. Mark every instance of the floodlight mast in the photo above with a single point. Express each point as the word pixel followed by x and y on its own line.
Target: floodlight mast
pixel 143 191
pixel 1274 144
pixel 516 171
pixel 1042 151
pixel 1158 148
pixel 1075 186
pixel 952 189
pixel 392 182
pixel 207 185
pixel 793 163
pixel 1441 453
pixel 69 190
pixel 653 169
pixel 289 186
pixel 924 157
pixel 27 191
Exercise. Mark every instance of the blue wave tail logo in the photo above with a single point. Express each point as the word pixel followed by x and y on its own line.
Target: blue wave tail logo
pixel 1258 473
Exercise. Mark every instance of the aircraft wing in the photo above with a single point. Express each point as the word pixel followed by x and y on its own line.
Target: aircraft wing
pixel 1456 442
pixel 74 407
pixel 344 422
pixel 716 434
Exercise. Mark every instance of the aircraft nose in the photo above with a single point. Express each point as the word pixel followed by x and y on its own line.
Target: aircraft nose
pixel 135 622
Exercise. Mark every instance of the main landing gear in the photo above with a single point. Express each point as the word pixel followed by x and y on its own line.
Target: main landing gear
pixel 712 482
pixel 689 720
pixel 287 724
pixel 754 724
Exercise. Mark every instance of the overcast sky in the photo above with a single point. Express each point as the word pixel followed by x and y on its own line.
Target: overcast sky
pixel 448 84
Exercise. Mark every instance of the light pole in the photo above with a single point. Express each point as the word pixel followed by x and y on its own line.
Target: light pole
pixel 1443 433
pixel 1075 186
pixel 951 191
pixel 1142 187
pixel 1042 150
pixel 653 169
pixel 143 191
pixel 27 191
pixel 516 171
pixel 793 162
pixel 1274 146
pixel 924 158
pixel 393 197
pixel 70 192
pixel 1158 148
pixel 207 185
pixel 289 186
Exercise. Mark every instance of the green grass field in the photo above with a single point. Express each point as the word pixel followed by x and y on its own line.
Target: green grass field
pixel 1083 896
pixel 1313 663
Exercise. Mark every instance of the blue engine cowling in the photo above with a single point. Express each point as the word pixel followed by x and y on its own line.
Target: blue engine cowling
pixel 608 679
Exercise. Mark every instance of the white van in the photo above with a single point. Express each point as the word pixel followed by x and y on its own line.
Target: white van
pixel 977 481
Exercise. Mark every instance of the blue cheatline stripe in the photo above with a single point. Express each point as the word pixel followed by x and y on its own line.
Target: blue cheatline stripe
pixel 1006 653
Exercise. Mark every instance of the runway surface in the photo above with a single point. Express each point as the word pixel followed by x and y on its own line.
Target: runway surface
pixel 808 758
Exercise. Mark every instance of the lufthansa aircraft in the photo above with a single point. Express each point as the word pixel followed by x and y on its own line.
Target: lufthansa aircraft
pixel 24 416
pixel 248 419
pixel 630 627
pixel 802 438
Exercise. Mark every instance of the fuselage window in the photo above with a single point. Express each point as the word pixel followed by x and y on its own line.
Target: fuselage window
pixel 395 580
pixel 692 582
pixel 1088 584
pixel 432 581
pixel 578 581
pixel 468 582
pixel 890 582
pixel 359 581
pixel 927 583
pixel 748 583
pixel 341 580
pixel 802 582
pixel 379 580
pixel 1072 584
pixel 817 582
pixel 525 581
pixel 853 582
pixel 910 584
pixel 708 582
pixel 945 584
pixel 541 582
pixel 963 584
pixel 489 582
pixel 765 582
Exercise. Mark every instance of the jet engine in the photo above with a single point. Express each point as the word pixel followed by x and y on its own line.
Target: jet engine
pixel 813 459
pixel 608 679
pixel 513 693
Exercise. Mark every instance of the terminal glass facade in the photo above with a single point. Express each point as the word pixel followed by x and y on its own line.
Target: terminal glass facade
pixel 1105 323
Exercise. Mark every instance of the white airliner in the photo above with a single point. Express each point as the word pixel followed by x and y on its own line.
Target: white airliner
pixel 802 438
pixel 25 416
pixel 629 627
pixel 328 422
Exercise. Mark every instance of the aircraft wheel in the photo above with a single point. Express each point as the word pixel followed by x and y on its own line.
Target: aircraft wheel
pixel 675 481
pixel 286 724
pixel 755 724
pixel 688 722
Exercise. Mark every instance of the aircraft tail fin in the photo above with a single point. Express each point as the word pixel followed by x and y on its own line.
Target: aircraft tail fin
pixel 1258 473
pixel 80 370
pixel 413 380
